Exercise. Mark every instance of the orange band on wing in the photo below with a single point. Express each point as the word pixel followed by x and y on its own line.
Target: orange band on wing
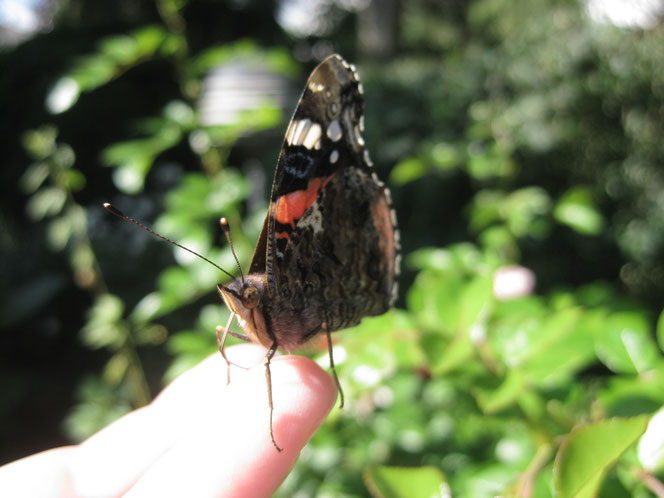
pixel 291 207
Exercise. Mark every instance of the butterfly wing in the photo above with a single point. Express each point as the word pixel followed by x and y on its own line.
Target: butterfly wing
pixel 329 245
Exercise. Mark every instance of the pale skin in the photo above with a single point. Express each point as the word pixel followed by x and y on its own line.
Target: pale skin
pixel 201 437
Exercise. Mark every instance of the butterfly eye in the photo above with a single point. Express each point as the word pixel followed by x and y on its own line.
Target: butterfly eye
pixel 250 297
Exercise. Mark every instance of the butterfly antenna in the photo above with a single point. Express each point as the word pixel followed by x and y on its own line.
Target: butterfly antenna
pixel 120 214
pixel 225 227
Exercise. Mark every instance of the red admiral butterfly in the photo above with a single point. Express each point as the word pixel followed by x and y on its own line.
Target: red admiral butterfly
pixel 328 253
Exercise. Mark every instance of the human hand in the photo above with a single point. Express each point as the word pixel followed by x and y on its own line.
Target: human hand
pixel 201 437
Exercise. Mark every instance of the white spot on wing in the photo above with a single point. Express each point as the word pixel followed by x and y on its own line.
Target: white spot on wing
pixel 312 137
pixel 358 136
pixel 304 132
pixel 316 87
pixel 334 156
pixel 312 218
pixel 300 125
pixel 290 132
pixel 334 131
pixel 367 159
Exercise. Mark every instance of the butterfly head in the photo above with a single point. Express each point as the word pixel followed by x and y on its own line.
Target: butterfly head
pixel 244 298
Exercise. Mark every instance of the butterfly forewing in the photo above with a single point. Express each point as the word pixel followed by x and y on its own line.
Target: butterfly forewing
pixel 329 246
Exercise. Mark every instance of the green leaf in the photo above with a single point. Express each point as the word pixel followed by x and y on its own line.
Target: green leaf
pixel 445 356
pixel 435 301
pixel 627 346
pixel 495 400
pixel 557 342
pixel 660 331
pixel 93 71
pixel 408 170
pixel 116 368
pixel 134 158
pixel 629 395
pixel 486 209
pixel 34 177
pixel 121 49
pixel 445 155
pixel 577 210
pixel 104 326
pixel 651 445
pixel 587 453
pixel 47 202
pixel 74 180
pixel 524 211
pixel 382 341
pixel 63 95
pixel 40 143
pixel 218 55
pixel 407 482
pixel 99 405
pixel 148 39
pixel 475 302
pixel 430 258
pixel 488 162
pixel 59 232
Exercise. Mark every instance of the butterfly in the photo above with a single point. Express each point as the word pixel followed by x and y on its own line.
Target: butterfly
pixel 329 251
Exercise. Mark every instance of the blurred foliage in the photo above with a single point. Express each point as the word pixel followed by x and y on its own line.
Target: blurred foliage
pixel 517 148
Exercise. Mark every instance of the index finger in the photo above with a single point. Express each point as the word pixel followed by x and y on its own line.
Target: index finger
pixel 202 437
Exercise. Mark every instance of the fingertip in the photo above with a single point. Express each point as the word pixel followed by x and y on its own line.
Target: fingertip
pixel 304 394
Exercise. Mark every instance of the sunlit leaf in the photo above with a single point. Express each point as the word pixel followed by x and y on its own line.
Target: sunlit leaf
pixel 99 405
pixel 74 180
pixel 116 368
pixel 651 445
pixel 431 258
pixel 626 345
pixel 577 210
pixel 40 143
pixel 121 49
pixel 446 356
pixel 408 170
pixel 494 400
pixel 48 201
pixel 660 331
pixel 34 177
pixel 630 395
pixel 587 453
pixel 445 155
pixel 63 95
pixel 407 482
pixel 475 302
pixel 59 233
pixel 148 39
pixel 104 326
pixel 92 71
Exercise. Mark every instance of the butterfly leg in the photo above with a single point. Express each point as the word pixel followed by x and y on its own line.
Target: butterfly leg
pixel 222 333
pixel 268 379
pixel 334 371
